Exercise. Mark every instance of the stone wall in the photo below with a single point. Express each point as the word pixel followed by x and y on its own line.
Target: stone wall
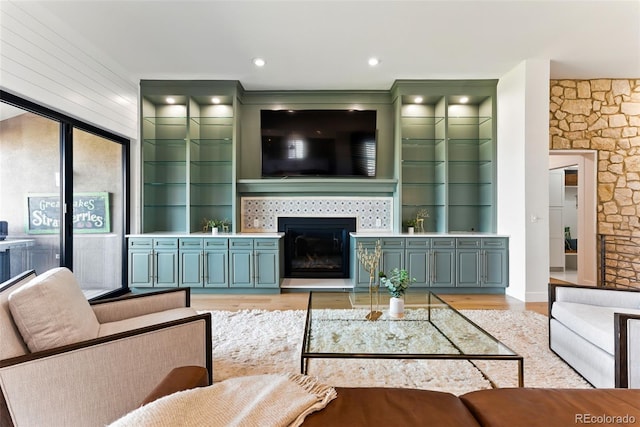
pixel 604 115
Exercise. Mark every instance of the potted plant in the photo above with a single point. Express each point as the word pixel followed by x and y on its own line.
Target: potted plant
pixel 397 284
pixel 215 225
pixel 410 225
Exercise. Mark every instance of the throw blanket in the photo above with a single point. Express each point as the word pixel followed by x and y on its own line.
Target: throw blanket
pixel 262 400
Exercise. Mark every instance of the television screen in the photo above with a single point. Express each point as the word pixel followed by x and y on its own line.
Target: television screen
pixel 318 143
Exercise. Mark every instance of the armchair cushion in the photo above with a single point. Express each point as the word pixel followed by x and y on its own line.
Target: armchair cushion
pixel 51 311
pixel 145 320
pixel 592 322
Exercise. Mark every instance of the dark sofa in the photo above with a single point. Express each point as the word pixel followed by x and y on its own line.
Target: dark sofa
pixel 508 407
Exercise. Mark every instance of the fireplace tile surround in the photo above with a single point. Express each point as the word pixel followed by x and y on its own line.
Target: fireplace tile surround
pixel 372 214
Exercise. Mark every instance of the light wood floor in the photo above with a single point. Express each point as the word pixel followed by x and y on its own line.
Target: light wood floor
pixel 298 301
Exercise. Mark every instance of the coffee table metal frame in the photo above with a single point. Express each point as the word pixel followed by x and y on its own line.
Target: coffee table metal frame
pixel 431 301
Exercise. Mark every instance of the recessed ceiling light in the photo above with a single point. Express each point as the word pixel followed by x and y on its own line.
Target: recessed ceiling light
pixel 259 62
pixel 171 100
pixel 374 61
pixel 215 100
pixel 464 99
pixel 418 100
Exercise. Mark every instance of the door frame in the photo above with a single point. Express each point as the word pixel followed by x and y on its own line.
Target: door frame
pixel 587 164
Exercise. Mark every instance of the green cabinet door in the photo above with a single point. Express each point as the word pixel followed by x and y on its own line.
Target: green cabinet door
pixel 495 262
pixel 416 260
pixel 417 265
pixel 443 262
pixel 443 268
pixel 495 265
pixel 216 262
pixel 191 262
pixel 241 263
pixel 140 257
pixel 468 268
pixel 166 263
pixel 359 275
pixel 469 262
pixel 241 269
pixel 140 268
pixel 267 263
pixel 266 269
pixel 191 268
pixel 166 268
pixel 216 269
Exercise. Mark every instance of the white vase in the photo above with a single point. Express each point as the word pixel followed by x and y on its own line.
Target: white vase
pixel 396 307
pixel 410 230
pixel 214 230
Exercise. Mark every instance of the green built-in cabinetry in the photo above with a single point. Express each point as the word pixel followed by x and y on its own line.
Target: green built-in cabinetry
pixel 447 154
pixel 439 262
pixel 188 162
pixel 205 262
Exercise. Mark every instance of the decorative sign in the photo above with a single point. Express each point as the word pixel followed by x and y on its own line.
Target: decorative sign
pixel 90 213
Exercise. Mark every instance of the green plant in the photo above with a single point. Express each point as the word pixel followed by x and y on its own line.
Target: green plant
pixel 409 223
pixel 209 224
pixel 397 282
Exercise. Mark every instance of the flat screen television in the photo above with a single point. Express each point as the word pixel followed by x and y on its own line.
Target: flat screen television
pixel 339 143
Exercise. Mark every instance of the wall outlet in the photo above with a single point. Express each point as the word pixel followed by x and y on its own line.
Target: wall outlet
pixel 378 222
pixel 256 223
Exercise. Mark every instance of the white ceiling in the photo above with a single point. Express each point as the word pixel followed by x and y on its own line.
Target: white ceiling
pixel 326 44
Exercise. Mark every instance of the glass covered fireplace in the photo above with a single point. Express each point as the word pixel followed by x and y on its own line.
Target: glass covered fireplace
pixel 316 247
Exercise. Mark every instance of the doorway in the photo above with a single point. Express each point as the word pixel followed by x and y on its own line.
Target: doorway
pixel 579 243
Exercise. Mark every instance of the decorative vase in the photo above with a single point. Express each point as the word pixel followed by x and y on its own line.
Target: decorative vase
pixel 396 307
pixel 410 230
pixel 214 230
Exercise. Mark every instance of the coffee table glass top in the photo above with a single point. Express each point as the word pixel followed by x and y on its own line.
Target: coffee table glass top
pixel 430 328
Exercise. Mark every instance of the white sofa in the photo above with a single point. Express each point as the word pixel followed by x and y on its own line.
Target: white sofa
pixel 66 362
pixel 597 332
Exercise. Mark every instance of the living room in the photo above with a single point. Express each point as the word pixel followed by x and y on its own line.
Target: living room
pixel 541 99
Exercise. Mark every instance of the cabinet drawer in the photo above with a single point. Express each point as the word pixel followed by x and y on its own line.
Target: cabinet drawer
pixel 140 243
pixel 165 243
pixel 495 243
pixel 216 243
pixel 392 243
pixel 443 243
pixel 265 243
pixel 468 243
pixel 366 242
pixel 240 243
pixel 417 243
pixel 191 243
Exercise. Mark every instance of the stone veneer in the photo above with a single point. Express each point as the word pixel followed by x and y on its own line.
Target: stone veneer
pixel 604 115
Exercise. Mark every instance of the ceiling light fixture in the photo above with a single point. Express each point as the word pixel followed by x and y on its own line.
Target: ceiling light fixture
pixel 418 100
pixel 215 100
pixel 259 62
pixel 171 100
pixel 464 99
pixel 373 62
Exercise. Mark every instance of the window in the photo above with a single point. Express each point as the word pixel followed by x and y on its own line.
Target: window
pixel 47 161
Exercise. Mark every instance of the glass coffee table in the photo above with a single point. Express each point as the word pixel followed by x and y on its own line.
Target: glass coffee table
pixel 336 328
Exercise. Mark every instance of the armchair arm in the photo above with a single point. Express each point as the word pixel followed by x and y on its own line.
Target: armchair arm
pixel 95 382
pixel 114 309
pixel 627 350
pixel 605 297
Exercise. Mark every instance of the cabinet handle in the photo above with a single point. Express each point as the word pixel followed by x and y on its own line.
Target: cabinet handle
pixel 486 266
pixel 154 266
pixel 204 267
pixel 434 274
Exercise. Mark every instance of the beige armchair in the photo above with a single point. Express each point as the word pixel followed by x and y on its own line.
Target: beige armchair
pixel 138 340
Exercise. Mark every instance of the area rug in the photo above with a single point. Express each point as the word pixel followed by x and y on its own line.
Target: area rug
pixel 255 342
